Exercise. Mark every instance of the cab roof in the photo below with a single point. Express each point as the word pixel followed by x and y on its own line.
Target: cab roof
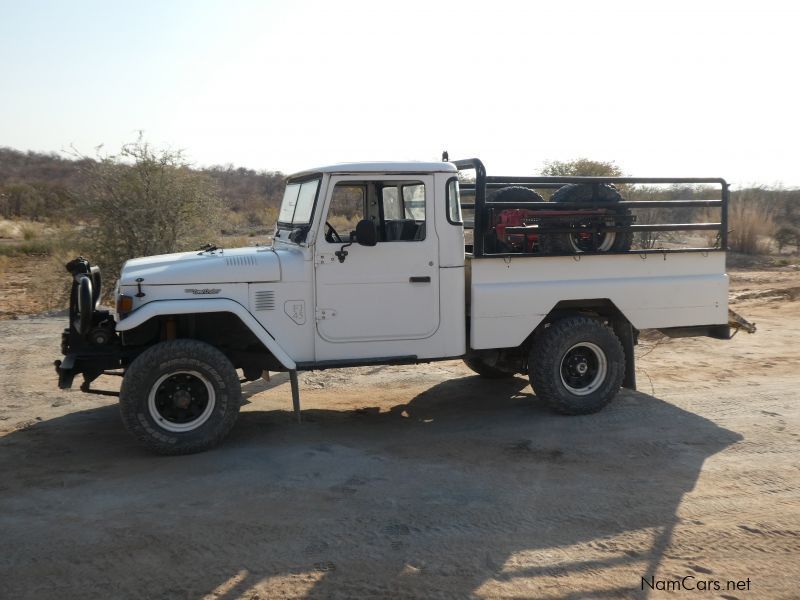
pixel 381 167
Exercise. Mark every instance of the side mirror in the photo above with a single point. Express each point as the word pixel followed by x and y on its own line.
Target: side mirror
pixel 366 233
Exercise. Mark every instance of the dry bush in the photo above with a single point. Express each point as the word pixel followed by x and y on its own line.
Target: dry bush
pixel 234 222
pixel 52 285
pixel 31 231
pixel 250 221
pixel 9 229
pixel 269 216
pixel 143 202
pixel 342 224
pixel 648 239
pixel 751 227
pixel 237 241
pixel 787 235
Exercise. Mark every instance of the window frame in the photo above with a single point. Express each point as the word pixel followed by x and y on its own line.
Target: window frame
pixel 368 179
pixel 291 225
pixel 447 202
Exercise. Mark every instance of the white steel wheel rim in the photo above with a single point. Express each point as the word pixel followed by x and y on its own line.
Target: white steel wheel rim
pixel 156 408
pixel 583 368
pixel 605 246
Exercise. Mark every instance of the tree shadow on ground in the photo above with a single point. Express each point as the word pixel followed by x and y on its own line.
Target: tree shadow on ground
pixel 468 487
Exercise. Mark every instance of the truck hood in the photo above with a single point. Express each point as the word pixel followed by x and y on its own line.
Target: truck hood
pixel 238 265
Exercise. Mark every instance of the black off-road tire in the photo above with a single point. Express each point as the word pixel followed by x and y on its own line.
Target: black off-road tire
pixel 607 194
pixel 515 193
pixel 552 360
pixel 484 370
pixel 84 305
pixel 175 359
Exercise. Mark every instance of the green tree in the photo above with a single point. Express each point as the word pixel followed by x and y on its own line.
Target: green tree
pixel 581 167
pixel 146 201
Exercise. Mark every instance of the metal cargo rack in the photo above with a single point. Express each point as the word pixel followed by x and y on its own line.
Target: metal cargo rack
pixel 484 209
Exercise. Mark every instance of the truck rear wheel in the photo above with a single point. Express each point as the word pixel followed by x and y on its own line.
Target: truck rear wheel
pixel 585 241
pixel 577 365
pixel 180 397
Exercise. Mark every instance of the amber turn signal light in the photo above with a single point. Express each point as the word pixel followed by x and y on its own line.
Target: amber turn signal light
pixel 124 304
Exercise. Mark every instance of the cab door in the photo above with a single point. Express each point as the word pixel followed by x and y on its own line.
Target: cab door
pixel 384 293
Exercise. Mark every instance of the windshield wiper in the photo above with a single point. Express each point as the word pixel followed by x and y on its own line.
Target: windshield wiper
pixel 208 248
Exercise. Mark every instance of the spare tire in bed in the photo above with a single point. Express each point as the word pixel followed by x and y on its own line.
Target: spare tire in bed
pixel 581 241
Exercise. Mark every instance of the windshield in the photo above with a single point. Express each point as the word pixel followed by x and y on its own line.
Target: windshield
pixel 298 203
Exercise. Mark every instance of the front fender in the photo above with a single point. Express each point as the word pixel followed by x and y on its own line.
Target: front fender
pixel 158 308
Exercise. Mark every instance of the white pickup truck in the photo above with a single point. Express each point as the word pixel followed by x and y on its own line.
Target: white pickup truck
pixel 369 265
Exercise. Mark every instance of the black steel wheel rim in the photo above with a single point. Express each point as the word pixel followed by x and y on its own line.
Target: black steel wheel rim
pixel 181 401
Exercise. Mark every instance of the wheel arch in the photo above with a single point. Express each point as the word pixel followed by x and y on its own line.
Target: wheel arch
pixel 159 310
pixel 602 309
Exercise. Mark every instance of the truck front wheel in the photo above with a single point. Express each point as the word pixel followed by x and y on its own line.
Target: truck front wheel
pixel 577 365
pixel 180 397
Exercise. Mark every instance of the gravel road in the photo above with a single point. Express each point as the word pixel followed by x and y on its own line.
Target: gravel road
pixel 419 482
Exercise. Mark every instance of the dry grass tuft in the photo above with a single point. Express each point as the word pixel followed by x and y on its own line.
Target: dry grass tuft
pixel 751 227
pixel 31 231
pixel 9 229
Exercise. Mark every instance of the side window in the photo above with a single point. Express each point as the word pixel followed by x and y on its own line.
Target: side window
pixel 396 207
pixel 347 208
pixel 414 201
pixel 392 207
pixel 454 203
pixel 403 212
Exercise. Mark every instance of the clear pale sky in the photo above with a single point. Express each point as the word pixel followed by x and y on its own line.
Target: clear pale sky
pixel 669 88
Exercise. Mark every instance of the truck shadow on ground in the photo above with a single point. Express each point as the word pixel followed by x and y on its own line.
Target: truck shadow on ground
pixel 470 488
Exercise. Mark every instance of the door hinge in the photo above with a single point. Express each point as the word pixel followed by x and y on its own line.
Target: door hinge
pixel 325 313
pixel 322 259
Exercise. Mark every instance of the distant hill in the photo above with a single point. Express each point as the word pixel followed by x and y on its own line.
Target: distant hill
pixel 47 187
pixel 40 186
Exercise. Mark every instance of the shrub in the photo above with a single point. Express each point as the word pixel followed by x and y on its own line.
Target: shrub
pixel 751 227
pixel 52 286
pixel 787 236
pixel 145 201
pixel 30 231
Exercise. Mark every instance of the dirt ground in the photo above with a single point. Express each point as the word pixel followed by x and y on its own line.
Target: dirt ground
pixel 421 482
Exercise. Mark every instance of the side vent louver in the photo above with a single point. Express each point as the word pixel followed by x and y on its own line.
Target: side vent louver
pixel 240 261
pixel 265 300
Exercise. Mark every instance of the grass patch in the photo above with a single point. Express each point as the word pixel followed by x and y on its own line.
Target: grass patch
pixel 36 247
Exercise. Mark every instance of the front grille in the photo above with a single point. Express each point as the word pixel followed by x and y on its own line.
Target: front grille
pixel 265 300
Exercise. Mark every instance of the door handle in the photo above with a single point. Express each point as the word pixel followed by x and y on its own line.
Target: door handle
pixel 426 279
